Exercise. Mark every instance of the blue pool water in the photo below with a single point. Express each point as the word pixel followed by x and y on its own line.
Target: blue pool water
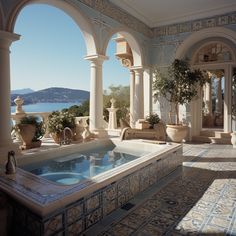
pixel 74 168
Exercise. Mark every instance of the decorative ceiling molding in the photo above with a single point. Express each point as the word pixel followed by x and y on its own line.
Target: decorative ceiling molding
pixel 196 25
pixel 111 10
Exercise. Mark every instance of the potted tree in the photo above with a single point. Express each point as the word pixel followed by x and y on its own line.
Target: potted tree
pixel 31 130
pixel 179 86
pixel 58 122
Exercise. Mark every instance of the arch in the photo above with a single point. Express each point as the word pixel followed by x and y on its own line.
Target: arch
pixel 216 45
pixel 217 32
pixel 133 43
pixel 81 20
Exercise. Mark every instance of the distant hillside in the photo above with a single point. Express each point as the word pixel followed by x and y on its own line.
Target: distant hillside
pixel 22 91
pixel 53 95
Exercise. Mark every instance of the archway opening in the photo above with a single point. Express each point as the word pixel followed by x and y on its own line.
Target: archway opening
pixel 214 56
pixel 116 79
pixel 129 52
pixel 50 54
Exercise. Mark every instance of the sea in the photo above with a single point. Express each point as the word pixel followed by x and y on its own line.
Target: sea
pixel 45 107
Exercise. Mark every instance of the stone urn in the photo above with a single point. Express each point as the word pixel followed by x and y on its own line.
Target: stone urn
pixel 177 133
pixel 233 139
pixel 27 133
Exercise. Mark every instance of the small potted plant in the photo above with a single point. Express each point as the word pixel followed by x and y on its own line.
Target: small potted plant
pixel 31 130
pixel 39 133
pixel 57 122
pixel 179 86
pixel 153 119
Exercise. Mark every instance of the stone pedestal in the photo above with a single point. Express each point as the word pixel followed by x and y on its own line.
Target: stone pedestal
pixel 112 124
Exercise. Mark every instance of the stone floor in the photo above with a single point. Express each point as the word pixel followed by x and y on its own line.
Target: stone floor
pixel 196 199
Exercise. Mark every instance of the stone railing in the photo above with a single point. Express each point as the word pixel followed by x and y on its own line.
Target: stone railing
pixel 20 113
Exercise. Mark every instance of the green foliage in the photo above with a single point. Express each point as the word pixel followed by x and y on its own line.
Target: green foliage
pixel 36 121
pixel 57 121
pixel 153 119
pixel 81 110
pixel 122 96
pixel 180 84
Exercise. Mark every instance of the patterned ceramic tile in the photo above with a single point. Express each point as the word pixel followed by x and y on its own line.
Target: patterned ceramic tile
pixel 153 174
pixel 53 225
pixel 123 186
pixel 134 184
pixel 76 228
pixel 122 199
pixel 119 230
pixel 92 202
pixel 108 207
pixel 74 213
pixel 93 217
pixel 151 230
pixel 109 193
pixel 144 178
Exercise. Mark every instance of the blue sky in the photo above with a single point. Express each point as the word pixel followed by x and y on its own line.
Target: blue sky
pixel 51 50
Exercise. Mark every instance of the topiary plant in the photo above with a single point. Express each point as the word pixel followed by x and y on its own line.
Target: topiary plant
pixel 153 119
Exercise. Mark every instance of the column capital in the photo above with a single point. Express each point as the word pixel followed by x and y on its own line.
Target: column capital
pixel 96 58
pixel 6 38
pixel 137 69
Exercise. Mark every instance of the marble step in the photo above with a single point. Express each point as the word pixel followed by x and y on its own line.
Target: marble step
pixel 207 133
pixel 201 139
pixel 223 135
pixel 215 140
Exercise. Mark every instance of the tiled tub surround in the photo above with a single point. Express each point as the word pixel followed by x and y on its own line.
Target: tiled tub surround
pixel 40 207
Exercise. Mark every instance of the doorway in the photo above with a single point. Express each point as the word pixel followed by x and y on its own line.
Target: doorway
pixel 213 100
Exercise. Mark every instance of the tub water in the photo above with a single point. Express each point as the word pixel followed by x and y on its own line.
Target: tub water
pixel 76 167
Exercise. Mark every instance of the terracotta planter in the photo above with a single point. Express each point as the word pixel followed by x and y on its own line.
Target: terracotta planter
pixel 177 133
pixel 27 133
pixel 57 137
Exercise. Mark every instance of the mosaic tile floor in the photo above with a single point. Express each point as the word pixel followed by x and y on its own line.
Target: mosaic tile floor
pixel 198 199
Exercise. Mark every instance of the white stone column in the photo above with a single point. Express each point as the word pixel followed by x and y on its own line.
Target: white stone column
pixel 6 143
pixel 132 94
pixel 228 99
pixel 148 98
pixel 204 99
pixel 219 97
pixel 138 98
pixel 208 98
pixel 96 94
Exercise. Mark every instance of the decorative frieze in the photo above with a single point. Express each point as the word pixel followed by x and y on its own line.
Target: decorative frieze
pixel 196 25
pixel 109 9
